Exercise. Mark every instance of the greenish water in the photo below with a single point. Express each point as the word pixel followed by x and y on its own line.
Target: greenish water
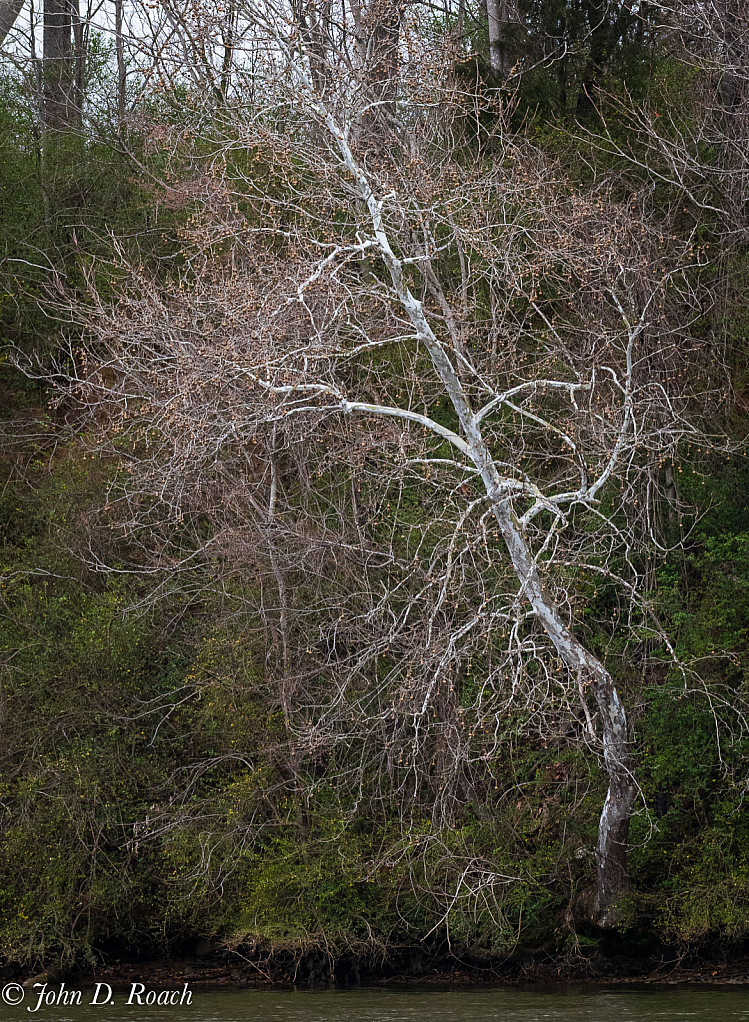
pixel 562 1005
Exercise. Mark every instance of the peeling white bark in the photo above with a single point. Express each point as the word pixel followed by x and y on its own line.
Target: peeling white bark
pixel 614 822
pixel 611 852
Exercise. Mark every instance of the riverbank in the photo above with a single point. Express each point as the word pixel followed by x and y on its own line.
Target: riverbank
pixel 243 973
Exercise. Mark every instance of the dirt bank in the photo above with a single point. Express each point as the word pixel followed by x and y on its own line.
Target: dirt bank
pixel 235 972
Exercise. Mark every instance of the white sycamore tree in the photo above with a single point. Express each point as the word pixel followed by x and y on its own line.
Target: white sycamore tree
pixel 424 393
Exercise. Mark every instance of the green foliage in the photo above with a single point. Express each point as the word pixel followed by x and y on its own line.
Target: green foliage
pixel 576 48
pixel 691 868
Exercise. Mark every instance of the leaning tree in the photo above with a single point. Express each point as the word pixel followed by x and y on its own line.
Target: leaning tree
pixel 422 392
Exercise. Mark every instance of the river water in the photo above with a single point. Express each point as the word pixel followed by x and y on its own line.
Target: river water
pixel 716 1004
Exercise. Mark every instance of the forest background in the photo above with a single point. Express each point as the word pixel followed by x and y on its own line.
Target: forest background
pixel 374 517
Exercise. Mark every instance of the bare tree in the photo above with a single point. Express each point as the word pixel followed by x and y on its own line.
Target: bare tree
pixel 423 461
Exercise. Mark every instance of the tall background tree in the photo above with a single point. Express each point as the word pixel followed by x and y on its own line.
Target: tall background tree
pixel 9 11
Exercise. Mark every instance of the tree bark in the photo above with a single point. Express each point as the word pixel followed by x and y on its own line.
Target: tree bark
pixel 377 26
pixel 613 829
pixel 80 41
pixel 385 24
pixel 497 17
pixel 611 847
pixel 228 40
pixel 58 63
pixel 119 43
pixel 9 11
pixel 314 24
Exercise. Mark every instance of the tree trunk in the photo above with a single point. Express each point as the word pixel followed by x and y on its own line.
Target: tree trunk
pixel 119 43
pixel 314 25
pixel 58 63
pixel 80 40
pixel 611 847
pixel 228 41
pixel 497 17
pixel 377 26
pixel 385 24
pixel 613 828
pixel 9 11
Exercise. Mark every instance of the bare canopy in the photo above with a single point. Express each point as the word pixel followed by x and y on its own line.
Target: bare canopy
pixel 425 401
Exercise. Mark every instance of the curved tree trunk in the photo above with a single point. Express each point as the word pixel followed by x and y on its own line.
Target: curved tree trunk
pixel 9 11
pixel 611 847
pixel 613 828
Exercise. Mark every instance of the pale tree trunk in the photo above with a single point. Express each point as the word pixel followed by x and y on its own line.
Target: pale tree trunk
pixel 58 83
pixel 9 11
pixel 497 16
pixel 611 847
pixel 613 828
